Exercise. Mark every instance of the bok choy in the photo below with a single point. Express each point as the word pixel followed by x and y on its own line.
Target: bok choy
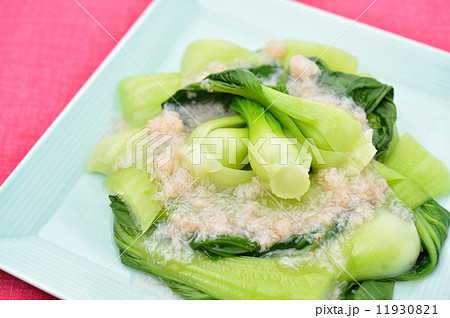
pixel 243 277
pixel 141 96
pixel 377 99
pixel 273 157
pixel 204 55
pixel 275 196
pixel 107 152
pixel 333 130
pixel 205 163
pixel 415 175
pixel 337 59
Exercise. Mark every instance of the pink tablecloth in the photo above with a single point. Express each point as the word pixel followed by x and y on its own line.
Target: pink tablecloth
pixel 48 49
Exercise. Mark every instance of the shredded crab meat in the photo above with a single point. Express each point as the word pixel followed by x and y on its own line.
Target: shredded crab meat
pixel 275 49
pixel 350 192
pixel 169 122
pixel 169 130
pixel 301 67
pixel 304 84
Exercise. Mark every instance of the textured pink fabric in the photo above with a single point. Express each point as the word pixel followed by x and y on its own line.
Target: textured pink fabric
pixel 48 49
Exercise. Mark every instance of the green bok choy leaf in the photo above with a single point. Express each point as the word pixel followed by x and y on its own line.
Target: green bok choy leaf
pixel 134 188
pixel 333 130
pixel 275 159
pixel 432 222
pixel 337 59
pixel 368 290
pixel 246 277
pixel 200 55
pixel 415 175
pixel 141 96
pixel 207 152
pixel 412 160
pixel 377 100
pixel 226 246
pixel 107 152
pixel 228 278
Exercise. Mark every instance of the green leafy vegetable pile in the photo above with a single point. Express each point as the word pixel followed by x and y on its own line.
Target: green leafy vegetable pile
pixel 208 276
pixel 318 136
pixel 377 100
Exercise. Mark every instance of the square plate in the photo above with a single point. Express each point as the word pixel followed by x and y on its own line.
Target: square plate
pixel 56 226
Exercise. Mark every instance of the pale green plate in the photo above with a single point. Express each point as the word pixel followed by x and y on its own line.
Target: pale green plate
pixel 55 223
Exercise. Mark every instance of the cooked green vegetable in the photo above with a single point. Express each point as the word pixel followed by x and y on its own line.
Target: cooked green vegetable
pixel 337 59
pixel 219 171
pixel 431 219
pixel 425 176
pixel 276 138
pixel 432 222
pixel 331 128
pixel 226 246
pixel 413 173
pixel 199 56
pixel 229 278
pixel 406 190
pixel 273 74
pixel 339 130
pixel 377 100
pixel 245 277
pixel 390 146
pixel 231 142
pixel 134 189
pixel 267 71
pixel 186 292
pixel 368 290
pixel 141 96
pixel 193 93
pixel 413 161
pixel 273 157
pixel 387 246
pixel 105 154
pixel 352 162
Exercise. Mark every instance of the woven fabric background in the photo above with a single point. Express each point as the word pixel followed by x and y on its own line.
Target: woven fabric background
pixel 48 49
